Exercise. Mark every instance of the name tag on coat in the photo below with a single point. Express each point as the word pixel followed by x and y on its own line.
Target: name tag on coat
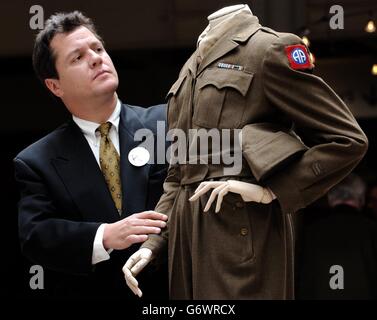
pixel 224 65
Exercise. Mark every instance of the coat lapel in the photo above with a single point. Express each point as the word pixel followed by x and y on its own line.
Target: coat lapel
pixel 134 179
pixel 220 49
pixel 80 173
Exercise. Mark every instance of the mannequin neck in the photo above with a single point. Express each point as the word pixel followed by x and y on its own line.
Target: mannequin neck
pixel 226 13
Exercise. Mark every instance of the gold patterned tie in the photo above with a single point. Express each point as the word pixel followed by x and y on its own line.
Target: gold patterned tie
pixel 110 165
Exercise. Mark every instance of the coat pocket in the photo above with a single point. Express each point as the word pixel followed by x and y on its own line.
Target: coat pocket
pixel 267 150
pixel 220 98
pixel 230 230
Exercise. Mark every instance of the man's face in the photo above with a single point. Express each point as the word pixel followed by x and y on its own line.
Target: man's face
pixel 85 69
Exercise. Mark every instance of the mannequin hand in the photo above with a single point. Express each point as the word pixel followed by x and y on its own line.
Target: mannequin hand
pixel 133 266
pixel 248 192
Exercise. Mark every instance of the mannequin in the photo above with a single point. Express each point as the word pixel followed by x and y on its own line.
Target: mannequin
pixel 243 75
pixel 218 23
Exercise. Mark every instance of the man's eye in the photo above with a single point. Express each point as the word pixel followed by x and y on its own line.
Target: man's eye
pixel 99 49
pixel 78 58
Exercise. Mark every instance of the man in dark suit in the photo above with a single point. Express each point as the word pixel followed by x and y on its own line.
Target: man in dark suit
pixel 86 188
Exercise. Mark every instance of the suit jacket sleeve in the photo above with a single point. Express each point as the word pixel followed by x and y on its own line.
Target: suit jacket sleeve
pixel 59 244
pixel 325 124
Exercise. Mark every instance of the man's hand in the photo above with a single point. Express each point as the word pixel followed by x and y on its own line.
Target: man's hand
pixel 248 192
pixel 133 266
pixel 133 229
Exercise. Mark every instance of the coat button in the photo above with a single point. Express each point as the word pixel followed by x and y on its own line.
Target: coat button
pixel 244 231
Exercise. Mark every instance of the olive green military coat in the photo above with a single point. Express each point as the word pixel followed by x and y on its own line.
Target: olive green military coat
pixel 298 139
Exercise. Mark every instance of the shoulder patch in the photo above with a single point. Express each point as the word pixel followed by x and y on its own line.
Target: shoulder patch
pixel 298 57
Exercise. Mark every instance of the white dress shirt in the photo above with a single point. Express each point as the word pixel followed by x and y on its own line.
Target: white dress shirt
pixel 93 137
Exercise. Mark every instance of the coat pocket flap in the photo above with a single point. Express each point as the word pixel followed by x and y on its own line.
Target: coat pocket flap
pixel 220 78
pixel 266 150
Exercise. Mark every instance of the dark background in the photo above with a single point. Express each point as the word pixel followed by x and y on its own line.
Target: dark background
pixel 149 41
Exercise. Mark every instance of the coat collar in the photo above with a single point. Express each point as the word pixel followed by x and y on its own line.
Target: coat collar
pixel 245 26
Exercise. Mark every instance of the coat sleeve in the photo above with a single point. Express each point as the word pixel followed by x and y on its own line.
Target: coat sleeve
pixel 165 205
pixel 58 244
pixel 171 184
pixel 335 140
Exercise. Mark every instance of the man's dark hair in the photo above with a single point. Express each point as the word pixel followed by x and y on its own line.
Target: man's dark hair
pixel 43 55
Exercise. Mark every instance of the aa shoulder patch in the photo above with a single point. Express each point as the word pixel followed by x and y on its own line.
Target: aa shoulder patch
pixel 298 57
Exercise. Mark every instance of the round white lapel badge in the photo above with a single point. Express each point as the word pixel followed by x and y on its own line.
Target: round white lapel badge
pixel 138 156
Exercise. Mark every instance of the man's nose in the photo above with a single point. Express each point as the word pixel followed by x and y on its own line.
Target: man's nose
pixel 95 59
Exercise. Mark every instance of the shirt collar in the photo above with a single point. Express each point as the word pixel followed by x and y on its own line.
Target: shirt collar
pixel 89 128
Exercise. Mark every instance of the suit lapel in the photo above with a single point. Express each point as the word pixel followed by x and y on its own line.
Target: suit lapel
pixel 80 173
pixel 134 179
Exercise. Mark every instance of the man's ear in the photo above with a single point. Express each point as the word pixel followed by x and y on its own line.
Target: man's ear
pixel 54 86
